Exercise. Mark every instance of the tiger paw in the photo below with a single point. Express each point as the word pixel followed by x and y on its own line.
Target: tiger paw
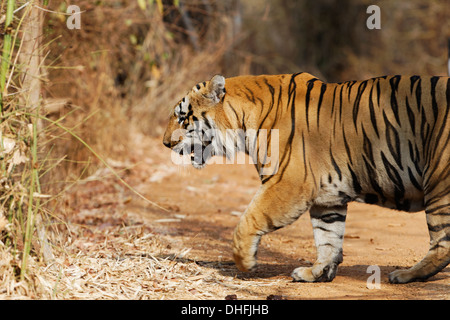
pixel 303 274
pixel 315 273
pixel 244 263
pixel 401 276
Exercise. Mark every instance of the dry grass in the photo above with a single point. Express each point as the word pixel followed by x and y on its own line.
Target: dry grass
pixel 102 251
pixel 124 268
pixel 98 74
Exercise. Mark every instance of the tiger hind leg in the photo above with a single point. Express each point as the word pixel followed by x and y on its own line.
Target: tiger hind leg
pixel 438 257
pixel 328 228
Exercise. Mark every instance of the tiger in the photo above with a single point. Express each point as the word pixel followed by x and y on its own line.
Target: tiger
pixel 382 141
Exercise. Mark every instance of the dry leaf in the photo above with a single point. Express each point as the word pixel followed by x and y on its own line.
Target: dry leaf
pixel 18 158
pixel 8 146
pixel 3 223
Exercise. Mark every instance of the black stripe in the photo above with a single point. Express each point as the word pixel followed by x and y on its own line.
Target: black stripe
pixel 356 186
pixel 417 162
pixel 414 154
pixel 313 176
pixel 350 85
pixel 272 93
pixel 261 102
pixel 438 227
pixel 362 86
pixel 394 89
pixel 280 96
pixel 307 99
pixel 340 103
pixel 413 80
pixel 438 196
pixel 371 175
pixel 443 176
pixel 250 97
pixel 447 93
pixel 432 210
pixel 327 230
pixel 347 148
pixel 412 120
pixel 373 118
pixel 336 167
pixel 434 105
pixel 438 244
pixel 244 126
pixel 393 141
pixel 304 156
pixel 395 177
pixel 378 92
pixel 190 113
pixel 367 147
pixel 332 217
pixel 279 108
pixel 419 94
pixel 413 180
pixel 323 88
pixel 424 129
pixel 234 111
pixel 334 100
pixel 443 126
pixel 292 95
pixel 271 89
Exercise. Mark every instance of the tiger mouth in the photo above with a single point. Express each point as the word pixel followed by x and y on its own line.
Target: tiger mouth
pixel 200 159
pixel 198 156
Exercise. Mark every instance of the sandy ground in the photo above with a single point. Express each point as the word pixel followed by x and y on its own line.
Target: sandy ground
pixel 205 207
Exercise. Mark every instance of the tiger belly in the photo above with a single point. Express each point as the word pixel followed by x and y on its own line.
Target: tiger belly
pixel 335 192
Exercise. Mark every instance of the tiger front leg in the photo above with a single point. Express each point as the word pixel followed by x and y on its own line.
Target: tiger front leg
pixel 328 228
pixel 271 208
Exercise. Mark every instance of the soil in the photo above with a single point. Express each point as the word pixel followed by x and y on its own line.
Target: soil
pixel 204 208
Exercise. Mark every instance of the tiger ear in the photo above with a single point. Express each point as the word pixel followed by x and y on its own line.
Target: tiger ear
pixel 216 88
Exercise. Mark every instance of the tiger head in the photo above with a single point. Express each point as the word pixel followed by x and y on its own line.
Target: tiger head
pixel 192 128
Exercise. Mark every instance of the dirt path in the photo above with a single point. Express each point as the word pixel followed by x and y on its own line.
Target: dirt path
pixel 205 207
pixel 121 247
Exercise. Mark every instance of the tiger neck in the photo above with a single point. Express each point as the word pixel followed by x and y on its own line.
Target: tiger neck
pixel 239 113
pixel 251 132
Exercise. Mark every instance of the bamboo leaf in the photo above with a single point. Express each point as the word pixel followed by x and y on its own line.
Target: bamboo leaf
pixel 6 49
pixel 160 6
pixel 5 61
pixel 142 4
pixel 9 12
